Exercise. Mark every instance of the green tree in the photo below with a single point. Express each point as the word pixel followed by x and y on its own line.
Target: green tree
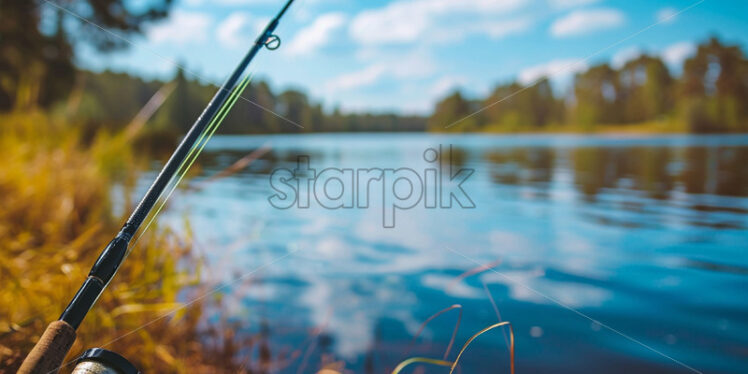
pixel 262 97
pixel 597 96
pixel 714 88
pixel 645 88
pixel 112 99
pixel 294 105
pixel 451 109
pixel 37 49
pixel 513 106
pixel 184 105
pixel 542 104
pixel 504 108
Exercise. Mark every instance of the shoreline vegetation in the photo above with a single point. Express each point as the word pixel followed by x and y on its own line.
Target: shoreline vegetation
pixel 55 189
pixel 642 96
pixel 709 94
pixel 655 127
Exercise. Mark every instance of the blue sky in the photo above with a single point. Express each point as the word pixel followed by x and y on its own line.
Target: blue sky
pixel 402 55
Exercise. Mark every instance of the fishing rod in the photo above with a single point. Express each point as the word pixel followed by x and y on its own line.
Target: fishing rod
pixel 50 350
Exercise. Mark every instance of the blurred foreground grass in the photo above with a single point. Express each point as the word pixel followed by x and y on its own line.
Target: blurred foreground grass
pixel 55 218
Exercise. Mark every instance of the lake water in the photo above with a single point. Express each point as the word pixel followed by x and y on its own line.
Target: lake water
pixel 607 254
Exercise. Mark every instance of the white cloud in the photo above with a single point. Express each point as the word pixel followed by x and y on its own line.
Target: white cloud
pixel 562 4
pixel 558 70
pixel 356 79
pixel 387 25
pixel 675 54
pixel 625 55
pixel 315 35
pixel 239 29
pixel 422 95
pixel 499 30
pixel 411 66
pixel 446 84
pixel 416 65
pixel 667 15
pixel 181 27
pixel 582 22
pixel 226 32
pixel 408 21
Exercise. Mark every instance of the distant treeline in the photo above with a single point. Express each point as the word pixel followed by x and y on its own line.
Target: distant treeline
pixel 710 95
pixel 109 99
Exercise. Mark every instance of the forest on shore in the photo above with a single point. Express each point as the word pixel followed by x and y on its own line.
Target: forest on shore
pixel 112 99
pixel 709 95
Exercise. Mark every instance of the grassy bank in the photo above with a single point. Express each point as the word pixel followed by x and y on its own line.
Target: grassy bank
pixel 56 217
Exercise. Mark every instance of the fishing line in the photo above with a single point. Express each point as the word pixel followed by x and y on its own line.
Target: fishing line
pixel 59 337
pixel 225 108
pixel 164 58
pixel 195 151
pixel 571 65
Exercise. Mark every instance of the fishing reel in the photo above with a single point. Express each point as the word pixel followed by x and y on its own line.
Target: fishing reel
pixel 102 361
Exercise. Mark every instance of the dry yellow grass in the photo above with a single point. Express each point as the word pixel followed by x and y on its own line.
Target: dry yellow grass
pixel 55 219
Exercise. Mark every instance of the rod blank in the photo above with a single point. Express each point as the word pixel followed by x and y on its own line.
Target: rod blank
pixel 52 347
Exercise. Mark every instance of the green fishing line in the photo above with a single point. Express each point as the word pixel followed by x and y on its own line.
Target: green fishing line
pixel 196 149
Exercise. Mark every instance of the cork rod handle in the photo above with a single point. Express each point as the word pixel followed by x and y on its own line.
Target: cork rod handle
pixel 50 350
